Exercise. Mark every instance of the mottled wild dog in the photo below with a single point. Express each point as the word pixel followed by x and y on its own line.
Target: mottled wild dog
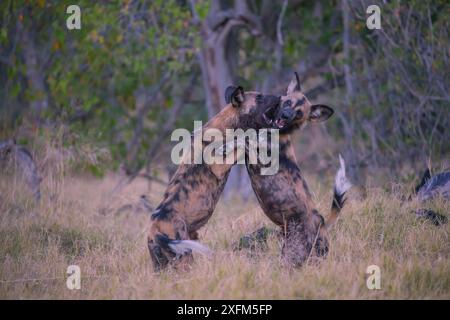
pixel 285 197
pixel 194 189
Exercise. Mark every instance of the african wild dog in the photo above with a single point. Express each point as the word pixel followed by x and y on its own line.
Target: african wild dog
pixel 430 187
pixel 434 186
pixel 284 197
pixel 194 189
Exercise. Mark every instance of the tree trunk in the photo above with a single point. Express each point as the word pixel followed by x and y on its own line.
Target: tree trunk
pixel 346 118
pixel 214 60
pixel 34 74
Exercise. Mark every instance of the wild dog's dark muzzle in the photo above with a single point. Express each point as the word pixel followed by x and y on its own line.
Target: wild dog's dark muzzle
pixel 271 106
pixel 287 114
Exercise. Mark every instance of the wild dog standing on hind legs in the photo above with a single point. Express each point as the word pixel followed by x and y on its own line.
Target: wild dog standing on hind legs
pixel 194 189
pixel 285 197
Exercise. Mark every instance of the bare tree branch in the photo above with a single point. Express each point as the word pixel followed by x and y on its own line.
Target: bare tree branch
pixel 165 131
pixel 280 22
pixel 143 105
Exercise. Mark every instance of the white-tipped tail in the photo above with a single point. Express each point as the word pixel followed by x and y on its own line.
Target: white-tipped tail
pixel 341 183
pixel 341 186
pixel 181 247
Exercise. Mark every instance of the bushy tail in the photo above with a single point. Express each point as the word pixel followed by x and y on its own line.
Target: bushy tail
pixel 341 186
pixel 180 247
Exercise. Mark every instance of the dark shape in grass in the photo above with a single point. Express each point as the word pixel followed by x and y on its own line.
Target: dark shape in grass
pixel 436 218
pixel 433 186
pixel 256 240
pixel 9 150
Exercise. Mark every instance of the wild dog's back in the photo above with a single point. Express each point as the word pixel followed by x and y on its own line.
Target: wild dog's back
pixel 192 195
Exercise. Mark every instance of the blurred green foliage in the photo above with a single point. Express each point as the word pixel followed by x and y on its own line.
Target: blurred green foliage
pixel 124 49
pixel 128 66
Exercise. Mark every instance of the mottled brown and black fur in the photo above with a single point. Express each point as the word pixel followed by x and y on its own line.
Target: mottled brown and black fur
pixel 284 196
pixel 194 189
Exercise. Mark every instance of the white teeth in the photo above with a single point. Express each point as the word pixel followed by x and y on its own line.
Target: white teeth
pixel 280 123
pixel 269 121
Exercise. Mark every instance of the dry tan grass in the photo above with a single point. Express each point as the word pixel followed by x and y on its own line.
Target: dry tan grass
pixel 77 223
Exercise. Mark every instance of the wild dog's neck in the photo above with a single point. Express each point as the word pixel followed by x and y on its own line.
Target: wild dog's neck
pixel 302 188
pixel 227 118
pixel 286 146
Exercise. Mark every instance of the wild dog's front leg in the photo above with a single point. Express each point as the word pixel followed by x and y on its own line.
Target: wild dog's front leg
pixel 305 238
pixel 296 243
pixel 321 243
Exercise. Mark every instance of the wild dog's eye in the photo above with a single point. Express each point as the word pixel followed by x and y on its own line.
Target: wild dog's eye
pixel 300 102
pixel 287 104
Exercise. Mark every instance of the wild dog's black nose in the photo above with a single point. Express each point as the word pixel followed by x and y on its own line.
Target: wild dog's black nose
pixel 287 114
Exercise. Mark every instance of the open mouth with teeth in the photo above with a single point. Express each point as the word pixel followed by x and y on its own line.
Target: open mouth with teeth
pixel 272 119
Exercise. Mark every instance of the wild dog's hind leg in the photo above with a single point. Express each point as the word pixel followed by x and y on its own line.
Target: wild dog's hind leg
pixel 193 235
pixel 159 259
pixel 180 256
pixel 159 250
pixel 169 243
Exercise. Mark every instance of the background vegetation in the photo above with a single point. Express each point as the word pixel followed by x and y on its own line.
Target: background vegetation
pixel 81 225
pixel 137 69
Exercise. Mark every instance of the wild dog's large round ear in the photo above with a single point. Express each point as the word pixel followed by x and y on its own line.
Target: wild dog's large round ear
pixel 294 85
pixel 234 95
pixel 320 112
